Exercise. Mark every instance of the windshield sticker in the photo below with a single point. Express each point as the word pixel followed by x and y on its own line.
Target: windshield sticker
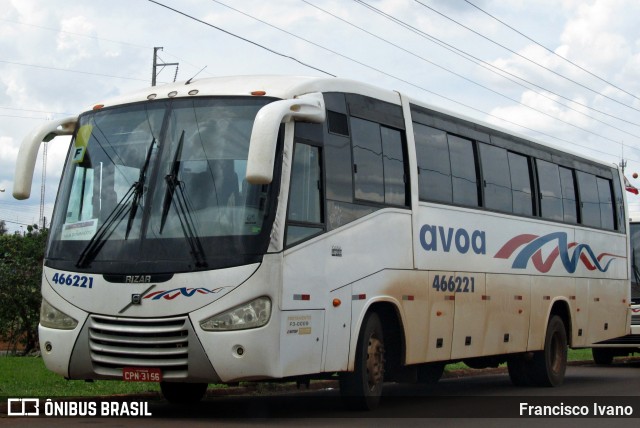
pixel 532 251
pixel 79 231
pixel 82 139
pixel 183 291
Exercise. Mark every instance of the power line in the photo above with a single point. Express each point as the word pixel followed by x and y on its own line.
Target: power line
pixel 57 30
pixel 423 88
pixel 32 110
pixel 524 57
pixel 490 67
pixel 420 87
pixel 241 38
pixel 70 71
pixel 477 83
pixel 552 52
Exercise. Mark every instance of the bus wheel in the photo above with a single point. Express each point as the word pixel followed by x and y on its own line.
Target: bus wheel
pixel 550 364
pixel 362 388
pixel 602 356
pixel 182 392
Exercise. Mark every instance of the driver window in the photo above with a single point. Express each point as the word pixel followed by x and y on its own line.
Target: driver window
pixel 304 219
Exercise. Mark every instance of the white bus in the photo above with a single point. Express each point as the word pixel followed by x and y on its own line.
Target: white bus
pixel 264 228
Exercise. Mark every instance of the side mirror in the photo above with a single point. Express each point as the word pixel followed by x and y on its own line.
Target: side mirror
pixel 264 135
pixel 29 152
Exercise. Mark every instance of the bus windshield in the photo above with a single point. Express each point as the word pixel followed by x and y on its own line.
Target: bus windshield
pixel 159 187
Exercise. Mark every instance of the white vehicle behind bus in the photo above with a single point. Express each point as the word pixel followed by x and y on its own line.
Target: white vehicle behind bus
pixel 266 228
pixel 604 352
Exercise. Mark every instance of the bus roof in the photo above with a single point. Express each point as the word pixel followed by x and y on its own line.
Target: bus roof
pixel 284 87
pixel 287 87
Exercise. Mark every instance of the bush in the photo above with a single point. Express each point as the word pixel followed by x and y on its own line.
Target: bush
pixel 21 259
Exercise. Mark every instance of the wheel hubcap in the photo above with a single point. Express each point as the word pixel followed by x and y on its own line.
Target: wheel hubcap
pixel 375 362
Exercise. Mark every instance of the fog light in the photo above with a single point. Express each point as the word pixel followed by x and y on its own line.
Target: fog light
pixel 48 347
pixel 238 351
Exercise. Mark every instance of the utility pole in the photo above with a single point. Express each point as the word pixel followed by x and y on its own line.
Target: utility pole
pixel 623 164
pixel 162 64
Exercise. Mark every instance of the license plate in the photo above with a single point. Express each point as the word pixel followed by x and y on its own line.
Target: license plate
pixel 136 374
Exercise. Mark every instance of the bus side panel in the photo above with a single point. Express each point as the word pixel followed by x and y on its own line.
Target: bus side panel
pixel 406 291
pixel 470 316
pixel 338 331
pixel 544 291
pixel 508 311
pixel 301 344
pixel 343 263
pixel 607 312
pixel 441 310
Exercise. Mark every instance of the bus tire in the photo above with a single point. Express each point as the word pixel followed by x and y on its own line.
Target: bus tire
pixel 362 388
pixel 182 392
pixel 602 356
pixel 550 364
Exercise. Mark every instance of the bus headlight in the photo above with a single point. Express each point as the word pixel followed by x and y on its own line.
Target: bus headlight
pixel 249 315
pixel 53 318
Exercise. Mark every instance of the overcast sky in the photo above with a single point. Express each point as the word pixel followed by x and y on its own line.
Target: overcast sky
pixel 59 57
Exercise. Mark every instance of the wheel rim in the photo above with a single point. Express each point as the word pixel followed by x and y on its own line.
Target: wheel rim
pixel 375 363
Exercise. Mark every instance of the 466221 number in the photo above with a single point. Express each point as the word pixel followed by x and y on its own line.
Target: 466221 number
pixel 454 284
pixel 71 280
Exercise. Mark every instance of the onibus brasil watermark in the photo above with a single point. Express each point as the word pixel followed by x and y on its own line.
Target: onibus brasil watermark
pixel 48 407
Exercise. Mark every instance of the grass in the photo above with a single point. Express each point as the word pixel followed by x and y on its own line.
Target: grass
pixel 28 377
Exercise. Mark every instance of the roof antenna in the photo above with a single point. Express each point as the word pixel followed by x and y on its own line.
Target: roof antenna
pixel 189 81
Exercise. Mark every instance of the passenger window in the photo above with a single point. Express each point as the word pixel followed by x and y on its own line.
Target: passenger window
pixel 520 184
pixel 589 199
pixel 304 218
pixel 463 171
pixel 497 180
pixel 550 190
pixel 394 176
pixel 434 167
pixel 378 163
pixel 606 203
pixel 569 204
pixel 367 158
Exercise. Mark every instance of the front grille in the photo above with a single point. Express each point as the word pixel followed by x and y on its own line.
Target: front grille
pixel 635 319
pixel 125 342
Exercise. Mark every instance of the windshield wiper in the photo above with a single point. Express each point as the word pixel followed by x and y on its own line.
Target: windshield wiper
pixel 138 190
pixel 172 182
pixel 179 201
pixel 116 216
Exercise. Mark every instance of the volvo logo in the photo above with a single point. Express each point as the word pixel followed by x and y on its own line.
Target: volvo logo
pixel 136 299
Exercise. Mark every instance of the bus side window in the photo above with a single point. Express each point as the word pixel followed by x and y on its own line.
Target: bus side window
pixel 589 199
pixel 569 204
pixel 606 203
pixel 463 171
pixel 550 190
pixel 521 184
pixel 434 166
pixel 497 179
pixel 379 164
pixel 305 219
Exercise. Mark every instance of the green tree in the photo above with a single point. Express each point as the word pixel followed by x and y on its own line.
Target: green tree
pixel 21 259
pixel 3 228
